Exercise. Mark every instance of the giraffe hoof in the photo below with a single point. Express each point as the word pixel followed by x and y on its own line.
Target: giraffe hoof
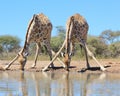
pixel 103 69
pixel 22 69
pixel 32 67
pixel 83 69
pixel 44 69
pixel 5 68
pixel 67 69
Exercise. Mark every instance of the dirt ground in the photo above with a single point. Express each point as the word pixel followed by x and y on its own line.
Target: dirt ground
pixel 111 65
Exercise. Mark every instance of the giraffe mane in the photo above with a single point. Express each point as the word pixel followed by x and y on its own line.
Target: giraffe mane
pixel 68 35
pixel 28 32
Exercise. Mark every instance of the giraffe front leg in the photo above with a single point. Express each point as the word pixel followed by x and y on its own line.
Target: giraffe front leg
pixel 61 62
pixel 7 66
pixel 56 55
pixel 38 46
pixel 91 54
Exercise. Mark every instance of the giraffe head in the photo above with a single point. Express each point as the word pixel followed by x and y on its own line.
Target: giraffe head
pixel 22 58
pixel 66 60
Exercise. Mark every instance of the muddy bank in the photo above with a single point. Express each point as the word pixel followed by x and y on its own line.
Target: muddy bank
pixel 112 66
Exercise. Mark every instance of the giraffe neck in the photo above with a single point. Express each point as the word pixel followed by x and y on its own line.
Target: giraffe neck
pixel 68 36
pixel 25 50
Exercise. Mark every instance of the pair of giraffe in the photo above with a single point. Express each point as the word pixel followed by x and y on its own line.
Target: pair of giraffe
pixel 39 32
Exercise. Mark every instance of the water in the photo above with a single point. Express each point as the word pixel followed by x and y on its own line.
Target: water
pixel 58 84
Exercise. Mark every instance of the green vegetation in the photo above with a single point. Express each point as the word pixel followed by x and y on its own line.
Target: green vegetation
pixel 9 45
pixel 106 45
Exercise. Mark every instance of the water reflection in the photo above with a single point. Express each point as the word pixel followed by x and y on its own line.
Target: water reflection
pixel 58 84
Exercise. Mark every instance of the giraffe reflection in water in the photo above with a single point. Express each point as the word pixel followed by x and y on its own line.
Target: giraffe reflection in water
pixel 47 84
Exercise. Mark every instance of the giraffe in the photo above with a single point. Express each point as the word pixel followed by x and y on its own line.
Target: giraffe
pixel 39 32
pixel 76 32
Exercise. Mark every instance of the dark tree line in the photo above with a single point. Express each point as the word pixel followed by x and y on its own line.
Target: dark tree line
pixel 106 45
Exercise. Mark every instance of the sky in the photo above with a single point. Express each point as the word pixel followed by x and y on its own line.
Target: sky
pixel 101 15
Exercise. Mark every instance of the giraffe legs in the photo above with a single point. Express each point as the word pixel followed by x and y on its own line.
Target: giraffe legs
pixel 86 56
pixel 7 66
pixel 50 52
pixel 56 55
pixel 90 54
pixel 48 49
pixel 38 46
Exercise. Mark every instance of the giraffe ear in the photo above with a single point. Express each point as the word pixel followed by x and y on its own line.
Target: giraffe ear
pixel 62 54
pixel 70 54
pixel 25 54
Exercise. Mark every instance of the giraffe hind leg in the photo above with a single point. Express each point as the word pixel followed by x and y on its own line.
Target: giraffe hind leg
pixel 38 46
pixel 48 49
pixel 86 55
